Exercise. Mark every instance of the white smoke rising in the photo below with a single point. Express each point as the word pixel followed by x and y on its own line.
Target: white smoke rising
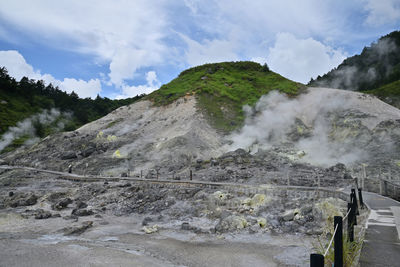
pixel 273 119
pixel 350 77
pixel 26 127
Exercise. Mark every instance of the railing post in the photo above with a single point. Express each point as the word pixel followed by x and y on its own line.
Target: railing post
pixel 360 198
pixel 350 223
pixel 316 260
pixel 353 193
pixel 385 193
pixel 338 246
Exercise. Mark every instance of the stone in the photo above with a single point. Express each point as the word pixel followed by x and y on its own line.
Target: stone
pixel 82 212
pixel 146 221
pixel 68 155
pixel 77 230
pixel 62 204
pixel 185 226
pixel 150 229
pixel 88 151
pixel 24 200
pixel 288 215
pixel 231 223
pixel 42 214
pixel 80 204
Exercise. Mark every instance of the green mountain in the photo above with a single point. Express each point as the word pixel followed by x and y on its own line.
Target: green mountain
pixel 376 71
pixel 46 108
pixel 222 89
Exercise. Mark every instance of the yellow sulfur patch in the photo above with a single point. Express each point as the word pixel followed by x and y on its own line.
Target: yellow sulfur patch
pixel 262 222
pixel 111 138
pixel 117 154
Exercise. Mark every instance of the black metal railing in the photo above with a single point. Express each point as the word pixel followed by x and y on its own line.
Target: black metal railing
pixel 317 260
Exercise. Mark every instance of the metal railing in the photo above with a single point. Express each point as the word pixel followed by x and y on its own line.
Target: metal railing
pixel 318 260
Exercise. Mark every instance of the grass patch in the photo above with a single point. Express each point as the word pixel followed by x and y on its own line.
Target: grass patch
pixel 111 124
pixel 389 93
pixel 223 88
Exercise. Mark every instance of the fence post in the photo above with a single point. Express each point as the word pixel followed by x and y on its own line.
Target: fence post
pixel 350 225
pixel 141 174
pixel 316 260
pixel 364 176
pixel 288 178
pixel 338 246
pixel 353 193
pixel 191 175
pixel 360 198
pixel 385 193
pixel 157 173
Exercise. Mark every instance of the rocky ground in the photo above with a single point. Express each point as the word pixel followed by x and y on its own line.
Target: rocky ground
pixel 155 224
pixel 128 221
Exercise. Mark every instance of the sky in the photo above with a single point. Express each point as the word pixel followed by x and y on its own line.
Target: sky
pixel 122 48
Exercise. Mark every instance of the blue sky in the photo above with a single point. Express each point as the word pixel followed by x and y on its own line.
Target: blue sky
pixel 123 48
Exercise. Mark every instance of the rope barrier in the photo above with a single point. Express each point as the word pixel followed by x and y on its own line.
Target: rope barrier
pixel 330 243
pixel 344 218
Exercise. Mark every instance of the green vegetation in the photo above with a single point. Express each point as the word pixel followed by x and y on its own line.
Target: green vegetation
pixel 223 88
pixel 375 71
pixel 19 100
pixel 389 93
pixel 351 251
pixel 23 99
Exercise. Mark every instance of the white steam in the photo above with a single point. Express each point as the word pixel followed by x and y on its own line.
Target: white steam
pixel 276 117
pixel 350 77
pixel 26 127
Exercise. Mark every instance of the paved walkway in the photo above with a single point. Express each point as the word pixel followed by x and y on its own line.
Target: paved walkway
pixel 382 244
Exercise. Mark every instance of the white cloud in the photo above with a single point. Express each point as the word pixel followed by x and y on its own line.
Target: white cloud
pixel 382 12
pixel 126 34
pixel 18 67
pixel 209 51
pixel 83 88
pixel 151 85
pixel 301 59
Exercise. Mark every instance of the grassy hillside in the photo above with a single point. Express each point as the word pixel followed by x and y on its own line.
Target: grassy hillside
pixel 376 70
pixel 223 88
pixel 389 93
pixel 27 99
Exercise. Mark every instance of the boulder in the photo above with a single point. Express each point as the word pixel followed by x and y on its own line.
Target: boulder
pixel 150 229
pixel 82 212
pixel 42 214
pixel 63 203
pixel 24 200
pixel 68 155
pixel 231 223
pixel 289 215
pixel 77 230
pixel 80 204
pixel 146 221
pixel 88 151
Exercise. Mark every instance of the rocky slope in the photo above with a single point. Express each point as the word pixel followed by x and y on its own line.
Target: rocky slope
pixel 318 129
pixel 321 137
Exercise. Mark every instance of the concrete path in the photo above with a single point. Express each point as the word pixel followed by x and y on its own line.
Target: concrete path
pixel 381 245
